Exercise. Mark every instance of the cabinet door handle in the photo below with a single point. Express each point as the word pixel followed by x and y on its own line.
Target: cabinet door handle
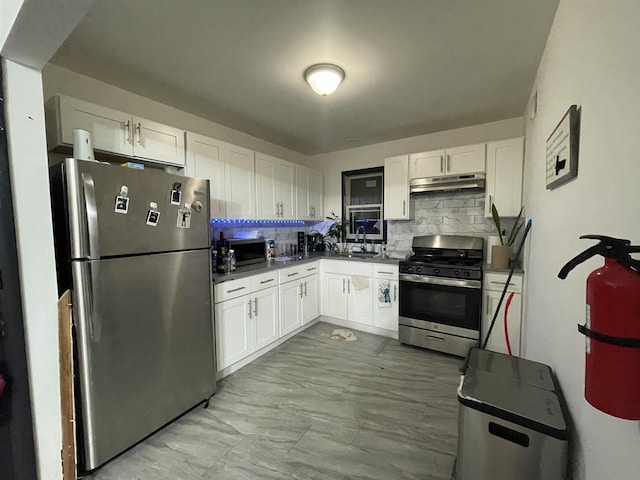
pixel 249 308
pixel 349 286
pixel 236 289
pixel 293 274
pixel 486 310
pixel 386 273
pixel 267 281
pixel 395 293
pixel 501 283
pixel 301 290
pixel 255 307
pixel 441 163
pixel 139 133
pixel 126 126
pixel 433 337
pixel 404 207
pixel 448 163
pixel 343 288
pixel 312 268
pixel 305 289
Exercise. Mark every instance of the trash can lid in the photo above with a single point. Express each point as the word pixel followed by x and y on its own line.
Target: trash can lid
pixel 526 371
pixel 515 401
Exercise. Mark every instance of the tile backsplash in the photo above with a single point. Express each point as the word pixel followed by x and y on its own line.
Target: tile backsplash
pixel 454 213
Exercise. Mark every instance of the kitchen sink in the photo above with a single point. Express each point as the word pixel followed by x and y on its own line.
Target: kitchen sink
pixel 358 254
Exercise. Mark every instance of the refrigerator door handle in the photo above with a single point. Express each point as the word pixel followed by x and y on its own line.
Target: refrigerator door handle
pixel 92 215
pixel 95 322
pixel 86 279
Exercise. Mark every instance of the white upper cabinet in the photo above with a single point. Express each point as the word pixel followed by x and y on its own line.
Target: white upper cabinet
pixel 504 176
pixel 427 164
pixel 113 131
pixel 308 193
pixel 396 188
pixel 158 142
pixel 240 182
pixel 205 159
pixel 275 188
pixel 467 159
pixel 452 161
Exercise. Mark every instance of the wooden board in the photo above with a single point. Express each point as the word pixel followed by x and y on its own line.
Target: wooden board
pixel 69 467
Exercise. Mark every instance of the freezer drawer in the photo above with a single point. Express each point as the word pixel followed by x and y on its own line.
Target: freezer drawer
pixel 144 344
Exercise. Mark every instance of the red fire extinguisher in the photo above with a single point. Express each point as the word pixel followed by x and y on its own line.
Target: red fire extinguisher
pixel 612 327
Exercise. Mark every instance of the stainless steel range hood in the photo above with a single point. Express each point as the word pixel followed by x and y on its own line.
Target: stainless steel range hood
pixel 473 181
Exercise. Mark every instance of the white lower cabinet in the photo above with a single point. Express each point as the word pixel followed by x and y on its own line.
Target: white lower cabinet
pixel 335 301
pixel 493 286
pixel 290 299
pixel 265 315
pixel 311 298
pixel 246 317
pixel 385 297
pixel 299 296
pixel 233 330
pixel 347 291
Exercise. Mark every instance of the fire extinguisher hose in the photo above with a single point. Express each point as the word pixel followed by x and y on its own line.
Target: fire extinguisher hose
pixel 601 337
pixel 506 285
pixel 506 325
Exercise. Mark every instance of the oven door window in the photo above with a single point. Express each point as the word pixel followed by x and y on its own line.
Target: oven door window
pixel 455 306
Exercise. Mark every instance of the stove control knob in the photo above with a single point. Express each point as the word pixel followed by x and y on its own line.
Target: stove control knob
pixel 436 270
pixel 466 274
pixel 409 269
pixel 418 269
pixel 456 272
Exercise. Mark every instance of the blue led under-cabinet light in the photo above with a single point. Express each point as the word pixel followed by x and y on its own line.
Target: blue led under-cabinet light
pixel 247 221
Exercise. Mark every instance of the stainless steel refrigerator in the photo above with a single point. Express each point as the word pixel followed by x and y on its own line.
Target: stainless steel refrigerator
pixel 134 247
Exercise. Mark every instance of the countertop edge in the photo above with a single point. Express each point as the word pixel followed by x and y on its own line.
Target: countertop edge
pixel 264 267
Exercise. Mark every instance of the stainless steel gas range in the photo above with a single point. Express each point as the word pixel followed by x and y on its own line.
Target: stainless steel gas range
pixel 440 293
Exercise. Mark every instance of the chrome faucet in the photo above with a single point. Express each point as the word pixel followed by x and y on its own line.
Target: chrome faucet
pixel 364 236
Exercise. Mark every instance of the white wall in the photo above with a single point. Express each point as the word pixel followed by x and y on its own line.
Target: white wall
pixel 34 235
pixel 60 80
pixel 8 12
pixel 30 32
pixel 333 164
pixel 591 60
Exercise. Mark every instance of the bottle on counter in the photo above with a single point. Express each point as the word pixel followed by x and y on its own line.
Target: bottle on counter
pixel 232 260
pixel 222 248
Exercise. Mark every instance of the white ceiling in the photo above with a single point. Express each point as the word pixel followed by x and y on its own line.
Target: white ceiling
pixel 412 66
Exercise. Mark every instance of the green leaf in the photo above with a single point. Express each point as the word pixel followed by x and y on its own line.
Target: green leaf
pixel 496 220
pixel 516 228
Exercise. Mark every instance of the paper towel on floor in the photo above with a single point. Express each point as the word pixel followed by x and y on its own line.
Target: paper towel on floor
pixel 360 283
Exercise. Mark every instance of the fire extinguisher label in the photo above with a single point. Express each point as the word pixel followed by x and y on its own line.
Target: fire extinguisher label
pixel 587 323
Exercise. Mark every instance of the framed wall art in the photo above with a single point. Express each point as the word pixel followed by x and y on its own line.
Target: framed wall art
pixel 562 150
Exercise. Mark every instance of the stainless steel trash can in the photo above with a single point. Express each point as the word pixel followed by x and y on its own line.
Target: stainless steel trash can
pixel 527 371
pixel 510 428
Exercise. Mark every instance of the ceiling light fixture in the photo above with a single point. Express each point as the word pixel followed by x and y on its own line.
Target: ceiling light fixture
pixel 324 78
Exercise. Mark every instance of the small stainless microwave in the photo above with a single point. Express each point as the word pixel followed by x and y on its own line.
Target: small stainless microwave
pixel 249 250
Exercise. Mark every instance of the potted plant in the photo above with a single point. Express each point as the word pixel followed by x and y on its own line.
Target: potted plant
pixel 337 231
pixel 500 254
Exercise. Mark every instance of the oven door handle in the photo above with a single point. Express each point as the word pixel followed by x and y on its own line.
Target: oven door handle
pixel 448 282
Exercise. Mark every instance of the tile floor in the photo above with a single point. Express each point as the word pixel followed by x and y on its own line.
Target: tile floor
pixel 314 408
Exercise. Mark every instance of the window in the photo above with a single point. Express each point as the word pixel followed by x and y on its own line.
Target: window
pixel 362 203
